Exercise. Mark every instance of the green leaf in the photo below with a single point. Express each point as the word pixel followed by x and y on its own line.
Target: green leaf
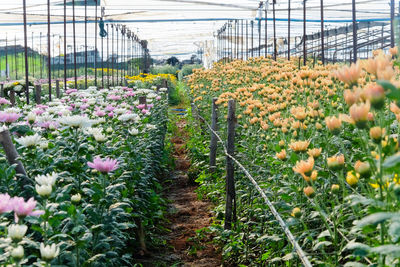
pixel 394 231
pixel 391 161
pixel 392 91
pixel 359 249
pixel 376 218
pixel 392 250
pixel 322 244
pixel 354 264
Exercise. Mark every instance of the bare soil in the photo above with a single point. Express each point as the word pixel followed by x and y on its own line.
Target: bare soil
pixel 186 214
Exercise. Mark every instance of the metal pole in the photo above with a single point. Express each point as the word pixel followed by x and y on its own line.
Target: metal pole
pixel 274 19
pixel 15 57
pixel 252 37
pixel 7 68
pixel 391 23
pixel 33 58
pixel 304 34
pixel 288 44
pixel 108 62
pixel 86 52
pixel 112 54
pixel 74 33
pixel 266 29
pixel 354 31
pixel 26 56
pixel 95 45
pixel 116 62
pixel 48 47
pixel 65 45
pixel 322 33
pixel 40 56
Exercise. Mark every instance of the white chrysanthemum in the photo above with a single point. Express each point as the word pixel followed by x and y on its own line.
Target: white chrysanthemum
pixel 98 121
pixel 120 111
pixel 100 137
pixel 44 190
pixel 18 252
pixel 91 101
pixel 133 131
pixel 16 232
pixel 129 117
pixel 163 89
pixel 12 110
pixel 49 252
pixel 151 95
pixel 48 179
pixel 31 117
pixel 150 126
pixel 44 145
pixel 45 117
pixel 28 141
pixel 93 131
pixel 65 112
pixel 76 121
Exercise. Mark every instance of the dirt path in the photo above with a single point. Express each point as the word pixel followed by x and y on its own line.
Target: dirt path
pixel 186 213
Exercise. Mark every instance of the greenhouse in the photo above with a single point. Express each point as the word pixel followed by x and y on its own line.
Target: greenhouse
pixel 199 133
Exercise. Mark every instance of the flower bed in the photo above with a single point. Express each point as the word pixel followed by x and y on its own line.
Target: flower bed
pixel 92 160
pixel 323 143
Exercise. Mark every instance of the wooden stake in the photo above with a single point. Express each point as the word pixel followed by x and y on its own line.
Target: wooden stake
pixel 58 88
pixel 11 152
pixel 230 209
pixel 38 94
pixel 12 97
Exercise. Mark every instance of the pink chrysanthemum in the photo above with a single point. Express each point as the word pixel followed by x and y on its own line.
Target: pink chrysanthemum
pixel 103 165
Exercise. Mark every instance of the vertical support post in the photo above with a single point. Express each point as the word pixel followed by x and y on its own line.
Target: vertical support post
pixel 7 68
pixel 230 208
pixel 247 39
pixel 304 34
pixel 112 54
pixel 15 57
pixel 11 153
pixel 95 45
pixel 252 37
pixel 65 45
pixel 26 56
pixel 108 56
pixel 288 42
pixel 74 33
pixel 12 97
pixel 273 13
pixel 58 88
pixel 214 140
pixel 48 47
pixel 391 23
pixel 143 101
pixel 322 33
pixel 86 54
pixel 38 94
pixel 1 89
pixel 354 31
pixel 266 28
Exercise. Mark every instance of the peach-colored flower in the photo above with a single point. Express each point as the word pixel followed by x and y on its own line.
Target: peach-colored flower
pixel 299 146
pixel 350 97
pixel 376 133
pixel 333 124
pixel 315 152
pixel 363 168
pixel 313 176
pixel 394 51
pixel 309 191
pixel 336 162
pixel 376 95
pixel 281 155
pixel 359 113
pixel 304 166
pixel 385 73
pixel 350 74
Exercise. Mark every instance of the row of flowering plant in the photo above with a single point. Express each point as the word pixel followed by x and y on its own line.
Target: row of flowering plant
pixel 323 142
pixel 93 159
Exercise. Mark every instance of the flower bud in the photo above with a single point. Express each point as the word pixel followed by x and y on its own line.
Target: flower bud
pixel 44 190
pixel 352 179
pixel 296 212
pixel 16 232
pixel 335 188
pixel 359 113
pixel 376 133
pixel 17 253
pixel 333 124
pixel 363 168
pixel 336 162
pixel 49 252
pixel 76 198
pixel 309 191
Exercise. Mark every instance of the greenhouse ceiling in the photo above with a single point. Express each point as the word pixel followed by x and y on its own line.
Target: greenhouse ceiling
pixel 180 27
